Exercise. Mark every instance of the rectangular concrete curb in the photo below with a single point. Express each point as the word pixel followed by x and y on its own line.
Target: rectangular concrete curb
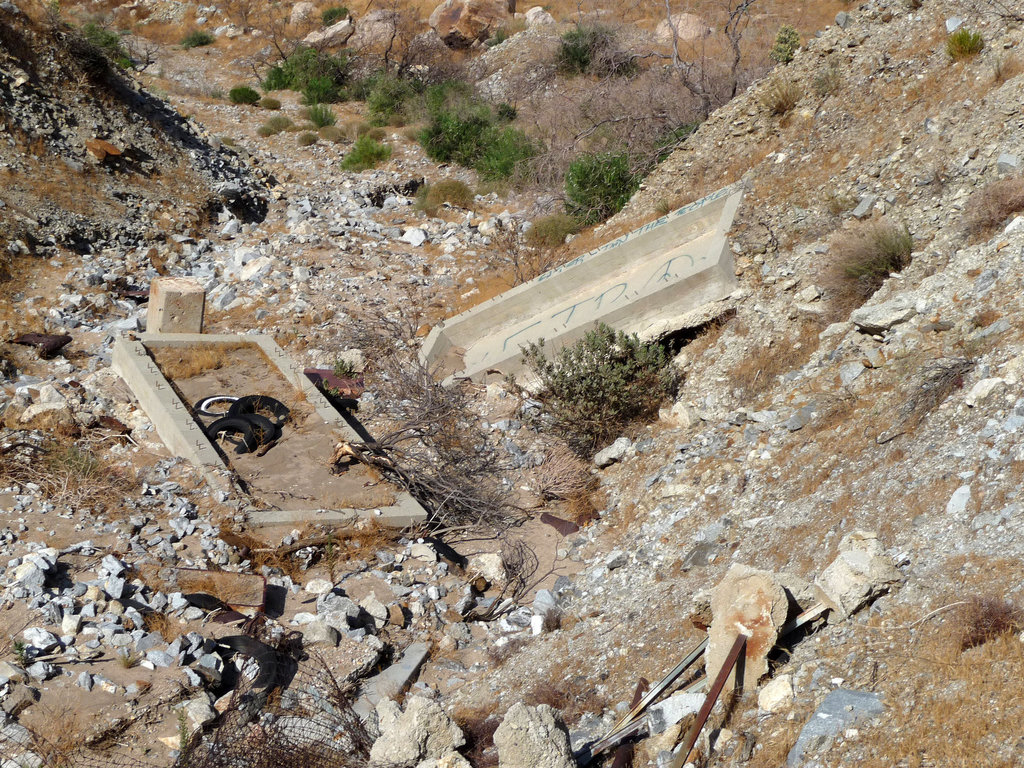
pixel 669 267
pixel 392 680
pixel 178 429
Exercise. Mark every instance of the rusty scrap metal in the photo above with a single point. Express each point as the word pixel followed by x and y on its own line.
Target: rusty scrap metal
pixel 564 527
pixel 709 701
pixel 48 344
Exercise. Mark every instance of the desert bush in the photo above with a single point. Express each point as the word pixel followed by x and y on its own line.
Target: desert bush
pixel 827 81
pixel 863 258
pixel 331 133
pixel 196 39
pixel 964 43
pixel 551 231
pixel 504 149
pixel 243 94
pixel 365 153
pixel 780 96
pixel 992 205
pixel 591 48
pixel 320 115
pixel 275 125
pixel 316 74
pixel 333 14
pixel 787 41
pixel 597 186
pixel 269 102
pixel 1007 67
pixel 388 99
pixel 306 139
pixel 981 619
pixel 452 191
pixel 376 133
pixel 108 42
pixel 604 381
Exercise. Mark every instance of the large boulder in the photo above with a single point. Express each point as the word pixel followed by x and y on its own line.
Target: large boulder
pixel 460 23
pixel 538 17
pixel 422 732
pixel 334 36
pixel 688 27
pixel 301 12
pixel 375 30
pixel 533 737
pixel 746 601
pixel 859 573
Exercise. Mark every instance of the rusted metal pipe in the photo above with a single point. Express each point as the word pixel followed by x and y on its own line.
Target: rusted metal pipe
pixel 709 702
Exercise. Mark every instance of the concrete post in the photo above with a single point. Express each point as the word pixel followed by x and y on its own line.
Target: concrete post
pixel 176 305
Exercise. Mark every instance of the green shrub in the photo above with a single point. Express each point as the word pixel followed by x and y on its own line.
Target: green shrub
pixel 243 94
pixel 320 115
pixel 196 39
pixel 604 381
pixel 333 14
pixel 451 191
pixel 388 99
pixel 456 135
pixel 590 48
pixel 318 75
pixel 268 102
pixel 779 96
pixel 306 139
pixel 503 150
pixel 551 231
pixel 109 42
pixel 963 43
pixel 507 113
pixel 331 133
pixel 275 125
pixel 597 186
pixel 786 43
pixel 864 257
pixel 827 81
pixel 365 153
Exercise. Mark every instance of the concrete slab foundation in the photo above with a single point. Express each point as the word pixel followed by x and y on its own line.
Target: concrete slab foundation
pixel 668 267
pixel 184 437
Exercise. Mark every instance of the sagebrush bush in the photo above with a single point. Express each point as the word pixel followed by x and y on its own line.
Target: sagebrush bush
pixel 333 14
pixel 196 39
pixel 551 231
pixel 388 99
pixel 306 139
pixel 318 75
pixel 268 102
pixel 604 381
pixel 598 185
pixel 992 205
pixel 365 153
pixel 451 191
pixel 591 48
pixel 964 43
pixel 780 96
pixel 275 125
pixel 332 133
pixel 109 42
pixel 320 115
pixel 787 41
pixel 243 94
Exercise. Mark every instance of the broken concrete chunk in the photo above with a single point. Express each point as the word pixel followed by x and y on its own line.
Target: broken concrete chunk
pixel 751 602
pixel 613 453
pixel 673 709
pixel 859 573
pixel 531 737
pixel 777 694
pixel 421 732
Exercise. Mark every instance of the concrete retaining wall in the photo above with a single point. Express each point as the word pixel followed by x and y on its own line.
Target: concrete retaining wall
pixel 668 267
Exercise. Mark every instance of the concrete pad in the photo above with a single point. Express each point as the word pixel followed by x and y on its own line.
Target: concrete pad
pixel 668 267
pixel 184 437
pixel 176 305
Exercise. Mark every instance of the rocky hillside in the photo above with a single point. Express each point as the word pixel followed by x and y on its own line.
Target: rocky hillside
pixel 847 433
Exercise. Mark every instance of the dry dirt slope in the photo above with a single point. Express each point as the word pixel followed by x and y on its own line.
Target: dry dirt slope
pixel 800 425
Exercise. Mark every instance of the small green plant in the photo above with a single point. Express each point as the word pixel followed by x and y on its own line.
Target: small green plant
pixel 504 149
pixel 320 115
pixel 591 48
pixel 598 185
pixel 451 191
pixel 366 153
pixel 269 102
pixel 333 14
pixel 275 125
pixel 215 93
pixel 551 231
pixel 307 139
pixel 109 42
pixel 780 96
pixel 183 730
pixel 318 75
pixel 344 369
pixel 827 81
pixel 787 41
pixel 331 133
pixel 20 652
pixel 604 381
pixel 243 94
pixel 388 99
pixel 196 39
pixel 964 43
pixel 127 659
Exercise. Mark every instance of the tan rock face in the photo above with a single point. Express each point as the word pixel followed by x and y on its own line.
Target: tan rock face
pixel 688 27
pixel 460 23
pixel 746 601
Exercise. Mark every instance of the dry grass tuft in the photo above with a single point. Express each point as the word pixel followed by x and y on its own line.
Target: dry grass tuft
pixel 478 726
pixel 864 257
pixel 563 475
pixel 982 619
pixel 780 96
pixel 69 475
pixel 758 370
pixel 177 363
pixel 988 208
pixel 572 698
